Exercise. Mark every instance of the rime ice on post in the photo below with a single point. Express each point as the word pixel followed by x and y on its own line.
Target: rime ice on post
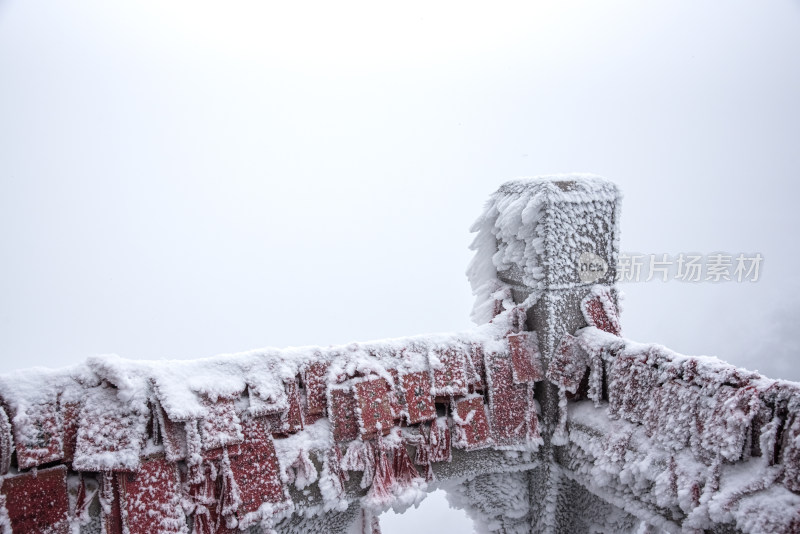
pixel 542 244
pixel 546 241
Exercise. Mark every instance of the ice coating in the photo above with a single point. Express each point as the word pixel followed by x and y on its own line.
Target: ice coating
pixel 536 229
pixel 540 419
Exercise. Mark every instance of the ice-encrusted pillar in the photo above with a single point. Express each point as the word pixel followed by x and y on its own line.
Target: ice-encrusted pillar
pixel 545 242
pixel 542 245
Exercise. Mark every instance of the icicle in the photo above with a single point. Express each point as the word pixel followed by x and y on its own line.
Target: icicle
pixel 595 392
pixel 5 520
pixel 156 432
pixel 790 455
pixel 673 477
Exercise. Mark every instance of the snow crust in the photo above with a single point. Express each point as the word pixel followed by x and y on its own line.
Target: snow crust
pixel 264 424
pixel 689 438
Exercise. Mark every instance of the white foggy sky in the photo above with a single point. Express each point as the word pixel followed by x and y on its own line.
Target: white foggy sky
pixel 181 179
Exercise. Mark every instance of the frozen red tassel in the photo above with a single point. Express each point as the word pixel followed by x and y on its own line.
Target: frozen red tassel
pixel 440 441
pixel 380 492
pixel 203 524
pixel 404 470
pixel 302 471
pixel 230 499
pixel 84 499
pixel 331 483
pixel 360 457
pixel 369 523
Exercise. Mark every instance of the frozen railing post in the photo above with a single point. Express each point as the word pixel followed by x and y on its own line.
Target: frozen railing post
pixel 561 240
pixel 543 245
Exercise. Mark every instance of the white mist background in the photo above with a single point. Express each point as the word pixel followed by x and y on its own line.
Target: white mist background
pixel 181 179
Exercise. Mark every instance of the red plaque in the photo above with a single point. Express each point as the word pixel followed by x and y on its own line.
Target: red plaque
pixel 449 372
pixel 174 437
pixel 568 365
pixel 374 409
pixel 151 499
pixel 600 310
pixel 475 361
pixel 508 402
pixel 37 502
pixel 39 436
pixel 525 357
pixel 221 425
pixel 257 473
pixel 316 385
pixel 110 434
pixel 471 423
pixel 418 397
pixel 343 413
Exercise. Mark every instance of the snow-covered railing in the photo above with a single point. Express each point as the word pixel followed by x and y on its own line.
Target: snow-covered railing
pixel 541 419
pixel 218 444
pixel 687 442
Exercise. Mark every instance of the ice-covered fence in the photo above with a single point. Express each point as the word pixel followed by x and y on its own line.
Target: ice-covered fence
pixel 249 440
pixel 540 419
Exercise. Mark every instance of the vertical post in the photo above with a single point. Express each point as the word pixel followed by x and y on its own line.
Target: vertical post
pixel 542 244
pixel 573 245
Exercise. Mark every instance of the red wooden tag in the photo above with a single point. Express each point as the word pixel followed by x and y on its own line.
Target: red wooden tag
pixel 419 402
pixel 471 422
pixel 374 410
pixel 151 499
pixel 343 413
pixel 37 502
pixel 525 357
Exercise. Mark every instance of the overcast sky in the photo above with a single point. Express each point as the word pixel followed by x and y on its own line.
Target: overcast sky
pixel 181 179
